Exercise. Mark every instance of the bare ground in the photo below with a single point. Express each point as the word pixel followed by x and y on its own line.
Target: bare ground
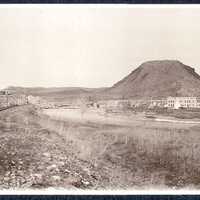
pixel 32 156
pixel 39 152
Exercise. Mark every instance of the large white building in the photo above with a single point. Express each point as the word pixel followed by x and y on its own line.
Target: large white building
pixel 169 102
pixel 183 102
pixel 176 102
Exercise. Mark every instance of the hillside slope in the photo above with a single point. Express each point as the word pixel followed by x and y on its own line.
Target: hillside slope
pixel 158 79
pixel 57 94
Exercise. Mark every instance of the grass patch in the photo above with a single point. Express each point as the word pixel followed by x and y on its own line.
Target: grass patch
pixel 39 152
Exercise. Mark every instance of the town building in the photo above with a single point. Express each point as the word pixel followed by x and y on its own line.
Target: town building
pixel 183 102
pixel 158 103
pixel 12 100
pixel 33 99
pixel 168 102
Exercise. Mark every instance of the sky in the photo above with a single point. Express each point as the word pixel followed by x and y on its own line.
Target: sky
pixel 92 46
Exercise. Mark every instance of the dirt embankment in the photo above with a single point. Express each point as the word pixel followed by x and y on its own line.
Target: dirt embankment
pixel 35 156
pixel 39 152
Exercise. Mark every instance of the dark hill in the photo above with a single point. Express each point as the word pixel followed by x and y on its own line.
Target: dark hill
pixel 158 79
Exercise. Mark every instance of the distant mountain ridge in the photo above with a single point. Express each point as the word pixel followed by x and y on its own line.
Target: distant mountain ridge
pixel 59 94
pixel 159 78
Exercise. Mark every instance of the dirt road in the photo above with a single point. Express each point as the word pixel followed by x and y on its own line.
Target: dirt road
pixel 90 115
pixel 117 119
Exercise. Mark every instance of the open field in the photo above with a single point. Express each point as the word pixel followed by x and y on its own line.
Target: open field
pixel 39 151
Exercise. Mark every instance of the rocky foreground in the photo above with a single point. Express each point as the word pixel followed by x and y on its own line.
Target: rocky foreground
pixel 38 152
pixel 32 156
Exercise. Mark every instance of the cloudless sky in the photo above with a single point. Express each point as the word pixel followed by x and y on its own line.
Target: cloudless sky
pixel 91 46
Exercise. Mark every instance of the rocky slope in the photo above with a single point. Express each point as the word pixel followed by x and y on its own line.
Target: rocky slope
pixel 158 79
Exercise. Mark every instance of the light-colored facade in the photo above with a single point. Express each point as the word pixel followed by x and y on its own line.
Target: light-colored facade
pixel 158 103
pixel 33 99
pixel 176 102
pixel 183 102
pixel 18 99
pixel 38 101
pixel 169 102
pixel 12 100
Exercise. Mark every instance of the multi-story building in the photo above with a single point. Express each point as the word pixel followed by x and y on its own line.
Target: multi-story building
pixel 169 102
pixel 183 102
pixel 176 102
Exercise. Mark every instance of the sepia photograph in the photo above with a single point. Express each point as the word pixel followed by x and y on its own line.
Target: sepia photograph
pixel 99 98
